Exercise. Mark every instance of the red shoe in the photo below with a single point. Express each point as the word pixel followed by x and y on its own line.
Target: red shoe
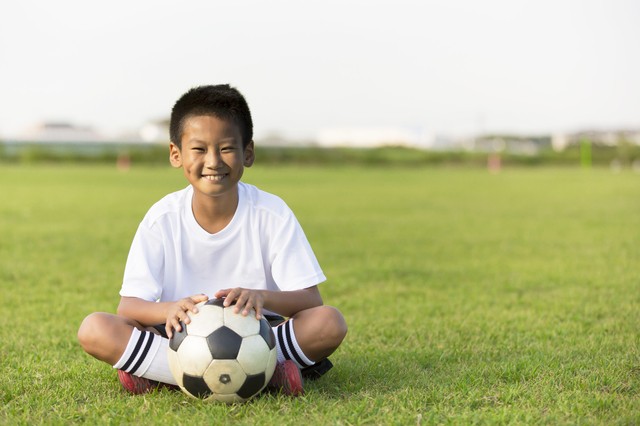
pixel 287 378
pixel 139 385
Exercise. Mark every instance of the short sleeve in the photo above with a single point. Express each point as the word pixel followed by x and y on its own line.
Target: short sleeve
pixel 294 265
pixel 143 275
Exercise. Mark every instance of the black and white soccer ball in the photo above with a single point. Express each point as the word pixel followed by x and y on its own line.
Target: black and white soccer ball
pixel 221 355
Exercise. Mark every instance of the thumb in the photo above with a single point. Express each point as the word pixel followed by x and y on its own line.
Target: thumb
pixel 200 298
pixel 221 293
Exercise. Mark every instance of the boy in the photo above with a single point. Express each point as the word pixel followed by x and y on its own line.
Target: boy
pixel 220 238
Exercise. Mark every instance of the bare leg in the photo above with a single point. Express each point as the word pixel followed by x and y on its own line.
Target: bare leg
pixel 105 336
pixel 319 331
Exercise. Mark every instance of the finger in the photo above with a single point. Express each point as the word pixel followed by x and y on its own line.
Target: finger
pixel 176 324
pixel 247 307
pixel 169 329
pixel 187 306
pixel 198 298
pixel 184 306
pixel 183 315
pixel 247 310
pixel 231 297
pixel 201 298
pixel 258 312
pixel 241 303
pixel 221 293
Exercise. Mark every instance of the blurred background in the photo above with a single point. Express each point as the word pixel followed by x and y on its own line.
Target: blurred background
pixel 528 80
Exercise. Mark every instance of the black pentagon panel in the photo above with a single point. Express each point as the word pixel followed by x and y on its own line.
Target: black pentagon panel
pixel 267 333
pixel 178 337
pixel 251 385
pixel 224 343
pixel 215 302
pixel 196 386
pixel 218 302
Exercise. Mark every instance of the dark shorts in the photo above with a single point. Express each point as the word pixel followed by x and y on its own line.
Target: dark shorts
pixel 161 330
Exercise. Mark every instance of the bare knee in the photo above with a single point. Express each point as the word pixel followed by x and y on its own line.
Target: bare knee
pixel 90 330
pixel 335 328
pixel 104 336
pixel 320 331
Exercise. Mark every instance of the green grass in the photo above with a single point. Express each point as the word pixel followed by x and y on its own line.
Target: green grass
pixel 471 297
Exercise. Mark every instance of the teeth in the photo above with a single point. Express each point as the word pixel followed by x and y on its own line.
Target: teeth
pixel 214 178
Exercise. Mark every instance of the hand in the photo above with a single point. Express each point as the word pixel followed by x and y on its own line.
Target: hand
pixel 245 299
pixel 177 312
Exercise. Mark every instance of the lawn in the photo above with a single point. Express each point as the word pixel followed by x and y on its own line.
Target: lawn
pixel 471 297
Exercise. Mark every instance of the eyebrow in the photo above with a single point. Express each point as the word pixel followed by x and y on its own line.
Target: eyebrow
pixel 223 140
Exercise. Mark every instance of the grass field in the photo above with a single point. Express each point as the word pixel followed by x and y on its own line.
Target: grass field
pixel 471 298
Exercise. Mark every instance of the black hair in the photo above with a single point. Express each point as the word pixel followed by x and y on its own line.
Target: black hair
pixel 221 101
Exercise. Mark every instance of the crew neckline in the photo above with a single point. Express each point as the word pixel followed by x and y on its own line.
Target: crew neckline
pixel 199 230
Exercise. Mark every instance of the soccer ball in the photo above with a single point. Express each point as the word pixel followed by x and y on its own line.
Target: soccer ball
pixel 221 355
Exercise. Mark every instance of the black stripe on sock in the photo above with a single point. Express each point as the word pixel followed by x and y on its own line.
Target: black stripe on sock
pixel 134 353
pixel 283 347
pixel 289 326
pixel 144 352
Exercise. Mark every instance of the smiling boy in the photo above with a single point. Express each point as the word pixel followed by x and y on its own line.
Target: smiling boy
pixel 222 238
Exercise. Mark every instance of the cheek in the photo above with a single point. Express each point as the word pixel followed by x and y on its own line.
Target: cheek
pixel 190 165
pixel 194 160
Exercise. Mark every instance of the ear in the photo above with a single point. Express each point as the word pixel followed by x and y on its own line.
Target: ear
pixel 249 155
pixel 175 157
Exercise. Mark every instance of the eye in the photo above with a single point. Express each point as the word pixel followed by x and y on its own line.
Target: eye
pixel 197 149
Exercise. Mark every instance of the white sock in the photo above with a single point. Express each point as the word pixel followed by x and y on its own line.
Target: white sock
pixel 146 356
pixel 158 368
pixel 287 346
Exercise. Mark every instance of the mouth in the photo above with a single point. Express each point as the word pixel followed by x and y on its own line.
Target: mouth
pixel 215 178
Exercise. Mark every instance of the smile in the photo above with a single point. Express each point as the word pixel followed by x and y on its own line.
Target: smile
pixel 215 178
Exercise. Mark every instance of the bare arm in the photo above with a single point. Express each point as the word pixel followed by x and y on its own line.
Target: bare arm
pixel 145 312
pixel 154 313
pixel 289 303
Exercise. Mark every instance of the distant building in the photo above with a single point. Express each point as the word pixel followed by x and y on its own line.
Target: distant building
pixel 605 137
pixel 61 132
pixel 512 144
pixel 156 131
pixel 370 137
pixel 559 141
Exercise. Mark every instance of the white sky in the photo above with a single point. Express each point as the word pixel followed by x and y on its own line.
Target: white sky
pixel 448 67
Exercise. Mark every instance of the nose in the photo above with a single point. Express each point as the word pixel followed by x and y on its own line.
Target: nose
pixel 212 159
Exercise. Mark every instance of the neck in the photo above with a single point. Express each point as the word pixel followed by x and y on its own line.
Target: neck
pixel 213 214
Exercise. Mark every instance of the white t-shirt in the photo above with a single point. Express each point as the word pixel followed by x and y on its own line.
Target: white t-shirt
pixel 263 247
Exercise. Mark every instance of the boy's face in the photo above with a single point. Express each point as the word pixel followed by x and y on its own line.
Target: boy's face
pixel 212 156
